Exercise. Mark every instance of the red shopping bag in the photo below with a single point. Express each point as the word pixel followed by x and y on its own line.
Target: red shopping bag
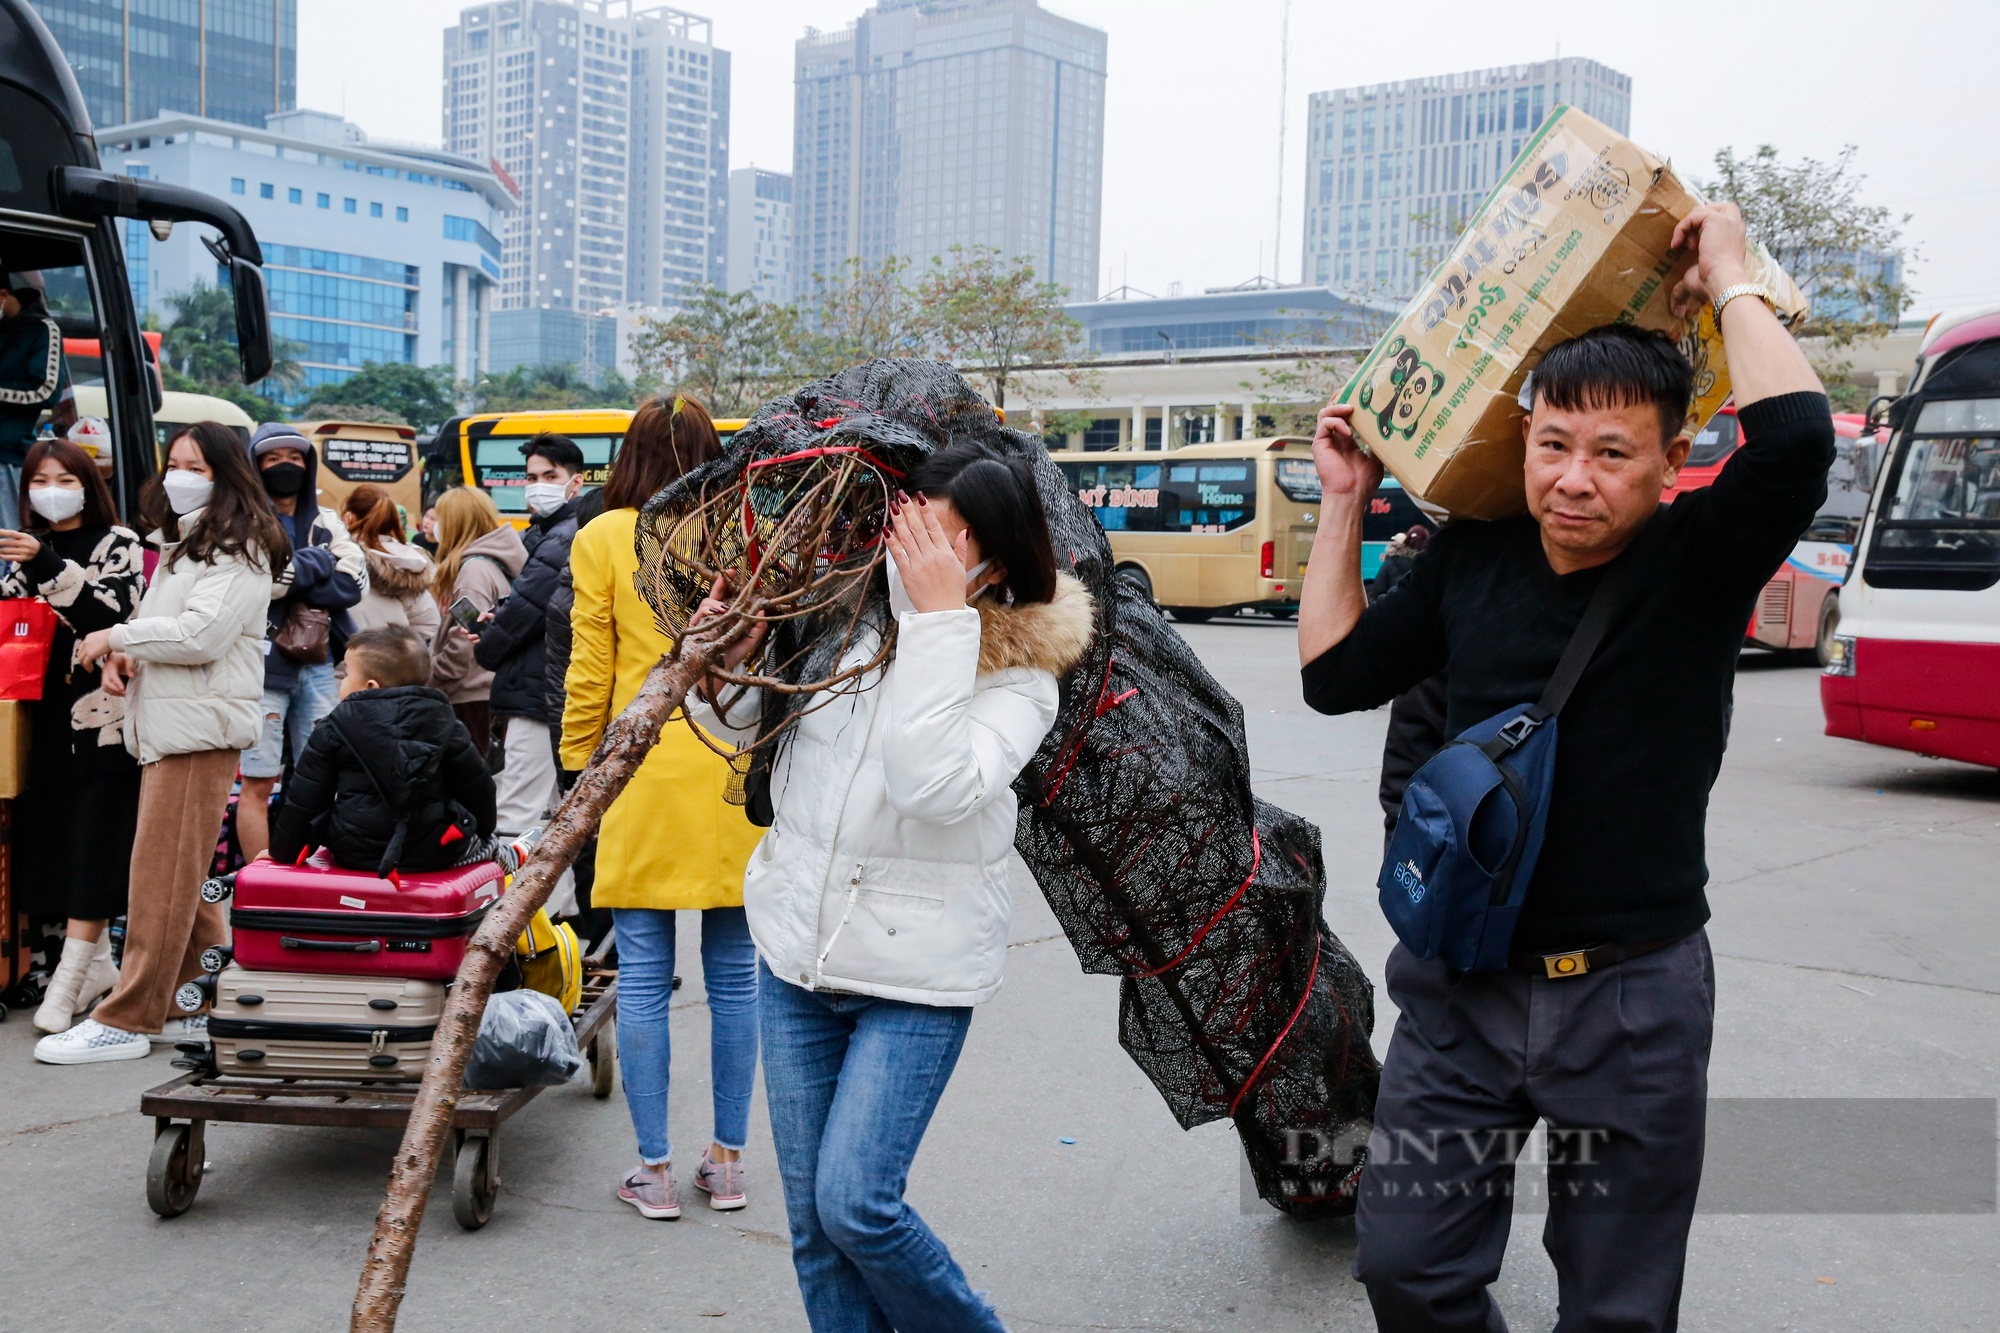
pixel 27 631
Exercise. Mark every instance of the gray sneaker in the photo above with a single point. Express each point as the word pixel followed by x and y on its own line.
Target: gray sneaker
pixel 722 1182
pixel 177 1030
pixel 652 1193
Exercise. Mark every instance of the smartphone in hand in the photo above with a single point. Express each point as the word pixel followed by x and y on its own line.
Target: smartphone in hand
pixel 466 614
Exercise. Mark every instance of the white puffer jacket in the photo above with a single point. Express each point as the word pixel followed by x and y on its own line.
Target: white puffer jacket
pixel 886 870
pixel 198 648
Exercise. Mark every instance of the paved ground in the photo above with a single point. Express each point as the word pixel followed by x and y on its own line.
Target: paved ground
pixel 1857 936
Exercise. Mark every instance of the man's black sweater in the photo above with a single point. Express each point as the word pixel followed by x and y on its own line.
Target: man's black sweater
pixel 1641 739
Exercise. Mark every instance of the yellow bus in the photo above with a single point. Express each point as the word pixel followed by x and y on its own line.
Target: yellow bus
pixel 486 448
pixel 1219 528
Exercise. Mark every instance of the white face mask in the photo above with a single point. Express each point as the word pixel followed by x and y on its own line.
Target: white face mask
pixel 56 503
pixel 186 491
pixel 545 497
pixel 899 597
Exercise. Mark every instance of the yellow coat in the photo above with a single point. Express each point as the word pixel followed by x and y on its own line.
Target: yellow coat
pixel 670 841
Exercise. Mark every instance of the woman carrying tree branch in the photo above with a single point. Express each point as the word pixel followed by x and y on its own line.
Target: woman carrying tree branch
pixel 879 900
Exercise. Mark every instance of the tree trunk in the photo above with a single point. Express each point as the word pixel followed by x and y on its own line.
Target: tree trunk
pixel 627 741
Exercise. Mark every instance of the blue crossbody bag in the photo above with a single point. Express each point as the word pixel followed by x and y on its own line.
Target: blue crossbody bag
pixel 1465 846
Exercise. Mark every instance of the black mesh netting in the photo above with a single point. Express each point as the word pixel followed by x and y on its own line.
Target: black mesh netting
pixel 1137 818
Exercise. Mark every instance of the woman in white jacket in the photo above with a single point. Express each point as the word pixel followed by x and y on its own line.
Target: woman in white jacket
pixel 879 900
pixel 191 667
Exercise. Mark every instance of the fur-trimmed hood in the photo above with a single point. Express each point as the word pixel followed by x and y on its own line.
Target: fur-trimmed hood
pixel 1050 636
pixel 399 571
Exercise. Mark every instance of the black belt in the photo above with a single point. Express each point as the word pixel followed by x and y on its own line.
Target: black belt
pixel 1576 962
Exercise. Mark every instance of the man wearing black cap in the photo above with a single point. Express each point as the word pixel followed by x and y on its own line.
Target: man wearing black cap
pixel 33 380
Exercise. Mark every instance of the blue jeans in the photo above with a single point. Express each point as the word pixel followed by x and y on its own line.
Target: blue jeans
pixel 646 988
pixel 852 1082
pixel 291 714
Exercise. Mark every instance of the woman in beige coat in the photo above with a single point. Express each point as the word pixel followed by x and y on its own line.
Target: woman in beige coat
pixel 399 575
pixel 191 667
pixel 478 557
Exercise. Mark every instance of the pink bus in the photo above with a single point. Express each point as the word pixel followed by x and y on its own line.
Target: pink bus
pixel 1915 659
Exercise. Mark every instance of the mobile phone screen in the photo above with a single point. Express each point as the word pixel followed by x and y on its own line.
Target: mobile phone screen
pixel 466 614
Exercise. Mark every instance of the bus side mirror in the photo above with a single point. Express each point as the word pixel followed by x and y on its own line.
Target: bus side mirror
pixel 253 312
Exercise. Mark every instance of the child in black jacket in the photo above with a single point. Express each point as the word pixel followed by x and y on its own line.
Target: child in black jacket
pixel 390 778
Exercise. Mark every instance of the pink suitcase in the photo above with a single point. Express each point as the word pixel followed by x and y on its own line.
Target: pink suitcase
pixel 317 918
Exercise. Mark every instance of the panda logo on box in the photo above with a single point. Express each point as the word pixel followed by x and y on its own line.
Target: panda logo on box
pixel 1404 384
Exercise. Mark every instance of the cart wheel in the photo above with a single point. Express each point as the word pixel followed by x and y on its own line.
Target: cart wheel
pixel 603 1062
pixel 174 1174
pixel 475 1182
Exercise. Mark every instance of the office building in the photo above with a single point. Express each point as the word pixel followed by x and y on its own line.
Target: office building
pixel 760 233
pixel 372 251
pixel 934 123
pixel 1243 320
pixel 233 60
pixel 1394 170
pixel 614 124
pixel 679 228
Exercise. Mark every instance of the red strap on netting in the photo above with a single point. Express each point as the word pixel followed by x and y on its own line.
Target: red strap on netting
pixel 1073 748
pixel 1256 1073
pixel 1256 859
pixel 822 451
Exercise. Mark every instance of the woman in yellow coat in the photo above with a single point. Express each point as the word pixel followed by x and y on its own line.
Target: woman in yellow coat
pixel 671 842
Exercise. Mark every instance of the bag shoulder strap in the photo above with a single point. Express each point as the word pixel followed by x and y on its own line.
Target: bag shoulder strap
pixel 1605 603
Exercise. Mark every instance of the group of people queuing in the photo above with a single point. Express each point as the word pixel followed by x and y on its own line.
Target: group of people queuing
pixel 850 941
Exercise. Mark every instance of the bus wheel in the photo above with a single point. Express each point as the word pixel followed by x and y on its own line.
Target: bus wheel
pixel 1192 615
pixel 1137 578
pixel 1829 625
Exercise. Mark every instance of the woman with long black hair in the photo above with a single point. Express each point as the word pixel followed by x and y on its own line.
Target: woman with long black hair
pixel 191 668
pixel 74 823
pixel 879 899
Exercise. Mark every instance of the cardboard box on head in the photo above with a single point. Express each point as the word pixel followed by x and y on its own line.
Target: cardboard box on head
pixel 1578 233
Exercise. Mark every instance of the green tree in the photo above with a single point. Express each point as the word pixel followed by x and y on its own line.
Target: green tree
pixel 200 343
pixel 1813 218
pixel 366 412
pixel 549 388
pixel 990 316
pixel 730 350
pixel 415 395
pixel 863 310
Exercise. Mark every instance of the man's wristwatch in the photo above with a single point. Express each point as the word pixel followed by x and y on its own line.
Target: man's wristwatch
pixel 1736 289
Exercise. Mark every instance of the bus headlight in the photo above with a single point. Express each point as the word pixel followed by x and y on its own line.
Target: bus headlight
pixel 1840 655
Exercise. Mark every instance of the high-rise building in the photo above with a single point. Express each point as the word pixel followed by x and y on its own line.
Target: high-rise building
pixel 1394 170
pixel 679 228
pixel 372 251
pixel 136 59
pixel 760 233
pixel 615 126
pixel 934 123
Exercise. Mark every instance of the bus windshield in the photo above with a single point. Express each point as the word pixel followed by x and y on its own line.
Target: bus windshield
pixel 1195 495
pixel 1945 509
pixel 504 473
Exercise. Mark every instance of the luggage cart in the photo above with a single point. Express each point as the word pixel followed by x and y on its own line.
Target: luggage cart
pixel 182 1109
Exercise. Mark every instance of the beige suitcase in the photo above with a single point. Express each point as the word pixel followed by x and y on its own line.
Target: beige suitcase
pixel 312 1025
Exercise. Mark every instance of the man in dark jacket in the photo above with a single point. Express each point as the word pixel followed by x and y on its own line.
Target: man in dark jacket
pixel 390 779
pixel 327 573
pixel 1602 1020
pixel 511 645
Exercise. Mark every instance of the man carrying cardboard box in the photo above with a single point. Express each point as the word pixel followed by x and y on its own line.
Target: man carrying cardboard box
pixel 1601 1022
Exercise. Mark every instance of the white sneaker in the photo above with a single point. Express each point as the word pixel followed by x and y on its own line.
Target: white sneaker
pixel 90 1042
pixel 182 1029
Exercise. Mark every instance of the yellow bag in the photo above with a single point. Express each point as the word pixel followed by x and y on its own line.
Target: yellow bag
pixel 551 959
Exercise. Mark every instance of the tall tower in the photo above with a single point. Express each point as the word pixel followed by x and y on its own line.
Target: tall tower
pixel 933 123
pixel 678 224
pixel 541 88
pixel 1393 170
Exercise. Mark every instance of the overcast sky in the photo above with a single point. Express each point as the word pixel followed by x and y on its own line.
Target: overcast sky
pixel 1191 125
